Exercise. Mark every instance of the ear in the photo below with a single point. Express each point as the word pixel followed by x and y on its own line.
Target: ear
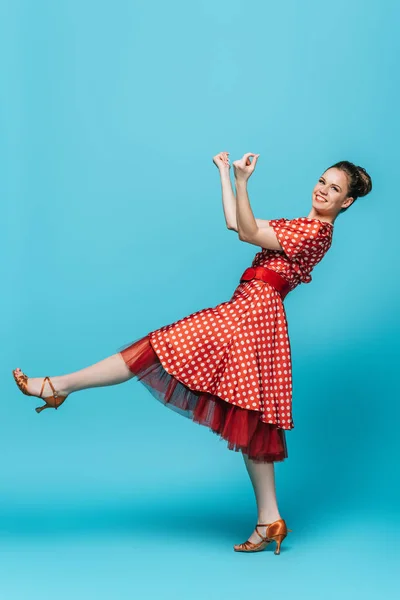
pixel 348 202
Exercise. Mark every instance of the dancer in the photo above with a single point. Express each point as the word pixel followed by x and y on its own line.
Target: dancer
pixel 228 367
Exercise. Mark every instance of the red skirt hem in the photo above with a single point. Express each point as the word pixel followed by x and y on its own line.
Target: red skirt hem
pixel 241 428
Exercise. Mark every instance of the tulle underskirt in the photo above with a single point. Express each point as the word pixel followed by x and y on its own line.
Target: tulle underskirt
pixel 241 428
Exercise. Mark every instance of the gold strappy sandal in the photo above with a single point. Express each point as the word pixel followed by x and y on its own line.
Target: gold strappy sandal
pixel 276 531
pixel 53 401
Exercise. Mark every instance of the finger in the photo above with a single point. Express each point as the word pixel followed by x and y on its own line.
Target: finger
pixel 246 158
pixel 254 162
pixel 247 155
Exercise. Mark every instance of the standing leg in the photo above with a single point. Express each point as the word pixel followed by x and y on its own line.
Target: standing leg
pixel 109 371
pixel 262 476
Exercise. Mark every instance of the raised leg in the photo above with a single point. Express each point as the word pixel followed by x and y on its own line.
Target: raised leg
pixel 109 371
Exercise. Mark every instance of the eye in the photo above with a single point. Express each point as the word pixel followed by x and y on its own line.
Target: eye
pixel 321 180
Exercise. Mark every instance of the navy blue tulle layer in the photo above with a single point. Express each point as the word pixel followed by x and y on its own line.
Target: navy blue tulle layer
pixel 241 428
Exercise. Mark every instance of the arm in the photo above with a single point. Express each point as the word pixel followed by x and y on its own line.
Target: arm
pixel 251 230
pixel 228 199
pixel 229 202
pixel 221 161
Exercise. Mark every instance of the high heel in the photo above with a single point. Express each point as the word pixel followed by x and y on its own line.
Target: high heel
pixel 276 531
pixel 53 401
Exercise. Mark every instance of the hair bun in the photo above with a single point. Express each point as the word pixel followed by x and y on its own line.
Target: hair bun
pixel 365 185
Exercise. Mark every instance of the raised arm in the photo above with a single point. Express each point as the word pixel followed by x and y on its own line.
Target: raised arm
pixel 228 199
pixel 248 227
pixel 221 160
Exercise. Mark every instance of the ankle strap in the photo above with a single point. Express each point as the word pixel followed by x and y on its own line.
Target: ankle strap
pixel 43 384
pixel 267 524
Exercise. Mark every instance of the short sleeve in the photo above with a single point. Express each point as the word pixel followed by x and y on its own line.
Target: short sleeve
pixel 301 237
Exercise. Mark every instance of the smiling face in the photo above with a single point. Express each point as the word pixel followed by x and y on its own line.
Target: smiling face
pixel 330 194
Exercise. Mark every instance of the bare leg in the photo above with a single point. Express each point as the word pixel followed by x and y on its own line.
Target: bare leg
pixel 109 371
pixel 262 476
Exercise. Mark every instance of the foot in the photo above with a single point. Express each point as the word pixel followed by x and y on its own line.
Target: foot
pixel 34 385
pixel 255 536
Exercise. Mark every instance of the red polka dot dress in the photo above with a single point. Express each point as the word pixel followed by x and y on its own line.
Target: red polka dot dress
pixel 229 367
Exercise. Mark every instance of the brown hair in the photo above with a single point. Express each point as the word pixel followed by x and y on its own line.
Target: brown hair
pixel 359 182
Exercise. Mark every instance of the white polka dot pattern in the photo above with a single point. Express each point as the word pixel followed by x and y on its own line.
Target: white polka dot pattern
pixel 304 241
pixel 239 350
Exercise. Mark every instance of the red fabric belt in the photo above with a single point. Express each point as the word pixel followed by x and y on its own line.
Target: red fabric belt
pixel 269 276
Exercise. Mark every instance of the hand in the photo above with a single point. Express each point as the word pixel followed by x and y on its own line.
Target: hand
pixel 221 161
pixel 243 168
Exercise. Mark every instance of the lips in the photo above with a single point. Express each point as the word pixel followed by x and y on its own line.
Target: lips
pixel 320 198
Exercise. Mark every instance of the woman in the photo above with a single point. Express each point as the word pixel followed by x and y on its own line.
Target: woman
pixel 229 367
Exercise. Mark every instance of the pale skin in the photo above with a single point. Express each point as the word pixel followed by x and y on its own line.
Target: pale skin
pixel 329 195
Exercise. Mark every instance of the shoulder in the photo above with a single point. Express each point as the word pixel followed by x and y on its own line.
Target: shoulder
pixel 307 225
pixel 302 236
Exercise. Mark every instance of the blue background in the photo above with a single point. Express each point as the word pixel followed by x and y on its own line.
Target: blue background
pixel 112 226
